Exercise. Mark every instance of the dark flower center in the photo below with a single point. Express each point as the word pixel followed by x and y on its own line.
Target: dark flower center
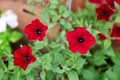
pixel 81 40
pixel 60 66
pixel 27 58
pixel 105 13
pixel 112 4
pixel 38 31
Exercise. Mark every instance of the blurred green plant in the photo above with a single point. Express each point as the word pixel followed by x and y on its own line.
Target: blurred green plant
pixel 6 38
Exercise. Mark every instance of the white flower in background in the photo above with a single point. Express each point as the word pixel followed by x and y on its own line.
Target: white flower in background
pixel 8 18
pixel 2 24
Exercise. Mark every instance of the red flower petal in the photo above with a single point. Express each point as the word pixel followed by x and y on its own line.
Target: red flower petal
pixel 23 57
pixel 111 3
pixel 102 37
pixel 117 1
pixel 116 32
pixel 80 40
pixel 36 30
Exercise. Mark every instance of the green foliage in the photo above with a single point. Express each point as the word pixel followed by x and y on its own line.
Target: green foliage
pixel 43 74
pixel 72 75
pixel 107 43
pixel 54 60
pixel 15 36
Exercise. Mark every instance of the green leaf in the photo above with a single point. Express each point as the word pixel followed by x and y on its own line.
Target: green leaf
pixel 116 59
pixel 5 77
pixel 53 44
pixel 45 16
pixel 108 25
pixel 51 25
pixel 46 61
pixel 37 46
pixel 15 36
pixel 53 6
pixel 1 74
pixel 62 9
pixel 2 53
pixel 117 19
pixel 43 75
pixel 16 76
pixel 112 75
pixel 10 63
pixel 72 75
pixel 54 1
pixel 1 41
pixel 110 52
pixel 107 43
pixel 116 69
pixel 53 12
pixel 50 75
pixel 79 63
pixel 29 1
pixel 88 75
pixel 29 77
pixel 55 18
pixel 98 58
pixel 66 14
pixel 2 65
pixel 57 49
pixel 58 58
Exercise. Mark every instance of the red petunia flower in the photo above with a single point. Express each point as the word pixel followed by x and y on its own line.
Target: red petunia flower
pixel 104 12
pixel 36 30
pixel 80 40
pixel 117 1
pixel 102 37
pixel 111 4
pixel 23 57
pixel 98 2
pixel 115 33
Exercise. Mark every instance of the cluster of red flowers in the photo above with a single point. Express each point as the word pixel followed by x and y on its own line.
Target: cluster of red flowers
pixel 80 40
pixel 23 56
pixel 104 12
pixel 106 8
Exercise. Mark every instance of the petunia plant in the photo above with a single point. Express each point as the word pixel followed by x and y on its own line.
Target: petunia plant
pixel 82 49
